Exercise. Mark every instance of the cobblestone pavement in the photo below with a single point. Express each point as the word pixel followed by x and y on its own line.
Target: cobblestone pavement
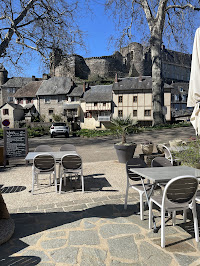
pixel 97 231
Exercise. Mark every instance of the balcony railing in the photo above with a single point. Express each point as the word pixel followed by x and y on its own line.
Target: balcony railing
pixel 103 118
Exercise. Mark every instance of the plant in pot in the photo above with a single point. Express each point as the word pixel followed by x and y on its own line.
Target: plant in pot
pixel 122 126
pixel 147 147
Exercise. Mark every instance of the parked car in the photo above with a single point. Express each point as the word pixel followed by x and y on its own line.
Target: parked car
pixel 59 128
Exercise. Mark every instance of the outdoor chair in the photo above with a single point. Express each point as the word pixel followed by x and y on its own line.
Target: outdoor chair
pixel 70 165
pixel 168 154
pixel 179 195
pixel 136 163
pixel 43 148
pixel 160 162
pixel 197 198
pixel 68 147
pixel 43 164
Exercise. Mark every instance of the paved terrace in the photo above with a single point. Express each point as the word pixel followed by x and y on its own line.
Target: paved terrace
pixel 91 228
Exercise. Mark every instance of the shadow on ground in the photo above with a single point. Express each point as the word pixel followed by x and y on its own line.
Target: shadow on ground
pixel 27 224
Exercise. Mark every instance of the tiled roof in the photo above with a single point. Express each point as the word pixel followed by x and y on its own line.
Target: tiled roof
pixel 135 83
pixel 177 85
pixel 77 91
pixel 98 93
pixel 29 90
pixel 16 82
pixel 55 86
pixel 15 106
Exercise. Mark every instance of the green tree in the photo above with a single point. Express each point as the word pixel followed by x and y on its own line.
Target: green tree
pixel 169 18
pixel 122 125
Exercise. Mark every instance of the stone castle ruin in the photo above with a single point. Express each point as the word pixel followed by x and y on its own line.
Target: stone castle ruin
pixel 132 61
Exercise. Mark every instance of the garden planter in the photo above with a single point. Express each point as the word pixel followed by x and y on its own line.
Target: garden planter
pixel 147 148
pixel 125 152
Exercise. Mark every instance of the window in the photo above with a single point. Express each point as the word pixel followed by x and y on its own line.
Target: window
pixel 60 98
pixel 120 113
pixel 147 112
pixel 134 99
pixel 29 100
pixel 72 99
pixel 88 115
pixel 120 99
pixel 47 99
pixel 104 104
pixel 5 112
pixel 95 104
pixel 134 112
pixel 10 99
pixel 50 111
pixel 50 120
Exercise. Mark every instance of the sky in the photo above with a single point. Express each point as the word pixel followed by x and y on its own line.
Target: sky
pixel 98 27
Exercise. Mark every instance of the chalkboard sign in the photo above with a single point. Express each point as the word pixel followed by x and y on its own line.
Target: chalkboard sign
pixel 15 143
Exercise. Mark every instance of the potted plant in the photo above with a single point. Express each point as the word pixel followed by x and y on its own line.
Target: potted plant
pixel 147 147
pixel 122 126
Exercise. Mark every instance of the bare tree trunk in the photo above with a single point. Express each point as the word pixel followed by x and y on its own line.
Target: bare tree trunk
pixel 157 83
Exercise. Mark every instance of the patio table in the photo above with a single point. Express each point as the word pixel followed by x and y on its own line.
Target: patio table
pixel 57 154
pixel 162 175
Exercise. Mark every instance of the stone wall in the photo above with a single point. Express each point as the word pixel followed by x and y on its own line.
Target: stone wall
pixel 133 60
pixel 106 66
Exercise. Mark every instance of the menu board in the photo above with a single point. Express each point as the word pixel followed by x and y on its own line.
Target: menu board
pixel 15 143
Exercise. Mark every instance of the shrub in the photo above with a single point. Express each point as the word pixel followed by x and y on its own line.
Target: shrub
pixel 189 155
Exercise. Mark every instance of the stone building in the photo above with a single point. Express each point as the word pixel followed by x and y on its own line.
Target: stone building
pixel 131 61
pixel 55 97
pixel 10 87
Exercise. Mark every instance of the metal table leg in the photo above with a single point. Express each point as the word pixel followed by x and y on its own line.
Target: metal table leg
pixel 155 230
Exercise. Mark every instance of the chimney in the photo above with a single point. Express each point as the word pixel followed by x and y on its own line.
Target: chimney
pixel 83 87
pixel 45 76
pixel 116 78
pixel 33 78
pixel 140 78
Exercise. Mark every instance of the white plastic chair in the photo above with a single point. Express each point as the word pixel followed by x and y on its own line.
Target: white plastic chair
pixel 68 147
pixel 179 195
pixel 43 148
pixel 197 198
pixel 161 162
pixel 43 164
pixel 135 163
pixel 70 165
pixel 168 154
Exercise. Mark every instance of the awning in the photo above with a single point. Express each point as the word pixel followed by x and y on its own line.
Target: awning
pixel 71 106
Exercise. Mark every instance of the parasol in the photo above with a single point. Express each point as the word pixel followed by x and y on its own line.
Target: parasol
pixel 194 84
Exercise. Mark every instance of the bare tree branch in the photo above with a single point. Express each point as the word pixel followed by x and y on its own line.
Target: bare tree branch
pixel 183 7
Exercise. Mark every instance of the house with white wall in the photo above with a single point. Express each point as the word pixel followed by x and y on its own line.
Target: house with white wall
pixel 12 113
pixel 97 107
pixel 133 96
